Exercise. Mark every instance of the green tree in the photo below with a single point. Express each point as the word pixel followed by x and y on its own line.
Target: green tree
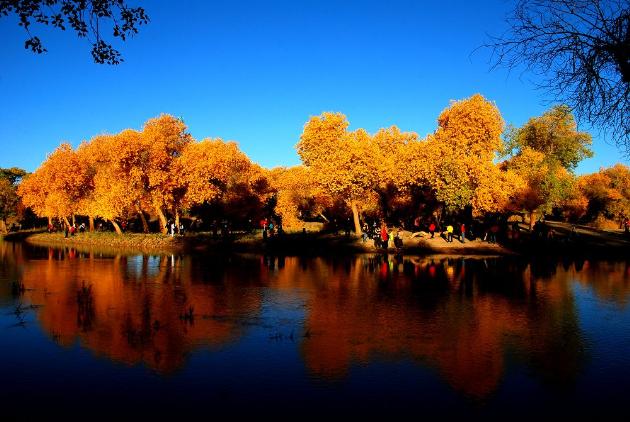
pixel 554 134
pixel 544 152
pixel 9 178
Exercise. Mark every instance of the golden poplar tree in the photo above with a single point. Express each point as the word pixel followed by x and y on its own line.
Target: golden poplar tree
pixel 207 169
pixel 163 141
pixel 57 187
pixel 457 161
pixel 297 190
pixel 351 166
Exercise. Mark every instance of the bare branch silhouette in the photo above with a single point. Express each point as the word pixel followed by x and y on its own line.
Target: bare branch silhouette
pixel 581 48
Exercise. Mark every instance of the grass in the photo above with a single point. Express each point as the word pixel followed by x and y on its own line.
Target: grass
pixel 137 241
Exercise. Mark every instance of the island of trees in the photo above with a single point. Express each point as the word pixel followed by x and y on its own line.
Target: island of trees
pixel 471 167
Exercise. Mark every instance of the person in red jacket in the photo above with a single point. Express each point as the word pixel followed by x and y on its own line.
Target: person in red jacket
pixel 384 235
pixel 432 230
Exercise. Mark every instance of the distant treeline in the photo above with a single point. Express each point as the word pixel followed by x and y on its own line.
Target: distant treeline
pixel 472 166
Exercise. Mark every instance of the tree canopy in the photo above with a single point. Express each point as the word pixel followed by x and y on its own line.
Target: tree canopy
pixel 544 152
pixel 555 135
pixel 9 179
pixel 464 168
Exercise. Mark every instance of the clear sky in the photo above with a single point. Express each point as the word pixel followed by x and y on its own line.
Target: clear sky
pixel 254 71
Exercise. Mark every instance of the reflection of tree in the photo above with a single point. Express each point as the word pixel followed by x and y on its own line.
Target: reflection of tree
pixel 85 307
pixel 140 336
pixel 459 315
pixel 134 316
pixel 10 262
pixel 608 280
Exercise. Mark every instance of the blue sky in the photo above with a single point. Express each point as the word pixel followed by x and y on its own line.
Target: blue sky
pixel 254 72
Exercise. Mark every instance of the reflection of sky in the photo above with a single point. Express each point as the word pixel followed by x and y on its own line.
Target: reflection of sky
pixel 255 374
pixel 606 327
pixel 135 266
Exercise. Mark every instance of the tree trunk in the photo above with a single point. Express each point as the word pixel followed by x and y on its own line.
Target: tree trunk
pixel 177 219
pixel 91 222
pixel 532 220
pixel 3 226
pixel 116 227
pixel 65 220
pixel 324 217
pixel 355 217
pixel 162 218
pixel 49 220
pixel 145 225
pixel 438 214
pixel 74 221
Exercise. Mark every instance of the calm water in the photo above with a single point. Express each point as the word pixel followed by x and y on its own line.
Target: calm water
pixel 92 334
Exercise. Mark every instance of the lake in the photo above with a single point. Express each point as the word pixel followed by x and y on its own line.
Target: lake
pixel 88 334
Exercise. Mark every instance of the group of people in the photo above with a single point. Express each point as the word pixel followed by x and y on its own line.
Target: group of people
pixel 270 229
pixel 462 232
pixel 174 229
pixel 68 229
pixel 450 231
pixel 382 236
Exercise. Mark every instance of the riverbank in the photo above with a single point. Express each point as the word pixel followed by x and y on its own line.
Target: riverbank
pixel 312 244
pixel 147 243
pixel 20 235
pixel 584 240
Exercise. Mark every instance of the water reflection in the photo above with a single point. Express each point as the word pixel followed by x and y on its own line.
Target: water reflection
pixel 466 319
pixel 459 316
pixel 155 314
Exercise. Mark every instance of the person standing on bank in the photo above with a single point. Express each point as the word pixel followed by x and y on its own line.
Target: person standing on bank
pixel 384 236
pixel 449 233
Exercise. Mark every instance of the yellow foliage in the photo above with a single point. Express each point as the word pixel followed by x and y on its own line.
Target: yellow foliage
pixel 471 128
pixel 321 135
pixel 207 169
pixel 458 160
pixel 352 166
pixel 496 191
pixel 162 169
pixel 608 192
pixel 297 187
pixel 115 161
pixel 57 186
